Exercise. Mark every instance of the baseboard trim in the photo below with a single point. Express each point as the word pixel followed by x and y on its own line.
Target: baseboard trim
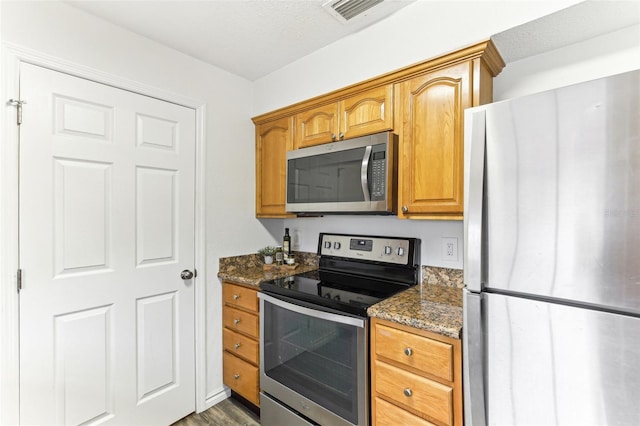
pixel 216 396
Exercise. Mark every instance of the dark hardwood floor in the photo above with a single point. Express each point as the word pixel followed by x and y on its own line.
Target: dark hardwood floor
pixel 229 412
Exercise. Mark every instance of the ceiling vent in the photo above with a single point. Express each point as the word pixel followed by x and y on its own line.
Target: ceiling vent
pixel 344 10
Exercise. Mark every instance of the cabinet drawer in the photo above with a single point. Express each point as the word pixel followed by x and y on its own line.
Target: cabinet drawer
pixel 426 396
pixel 427 355
pixel 242 377
pixel 239 296
pixel 241 345
pixel 242 321
pixel 389 415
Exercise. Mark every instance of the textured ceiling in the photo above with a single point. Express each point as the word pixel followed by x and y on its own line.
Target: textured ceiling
pixel 252 38
pixel 249 38
pixel 579 22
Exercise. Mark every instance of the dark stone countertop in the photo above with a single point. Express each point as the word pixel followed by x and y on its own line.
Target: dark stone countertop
pixel 435 308
pixel 249 269
pixel 434 305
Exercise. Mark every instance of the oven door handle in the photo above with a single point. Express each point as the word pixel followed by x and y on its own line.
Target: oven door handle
pixel 342 319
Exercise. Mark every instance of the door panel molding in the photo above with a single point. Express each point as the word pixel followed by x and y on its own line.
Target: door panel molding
pixel 12 56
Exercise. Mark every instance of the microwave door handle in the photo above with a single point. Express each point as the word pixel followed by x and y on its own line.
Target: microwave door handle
pixel 364 170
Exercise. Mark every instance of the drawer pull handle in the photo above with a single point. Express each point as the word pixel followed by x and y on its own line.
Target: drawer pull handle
pixel 236 376
pixel 236 321
pixel 408 352
pixel 236 297
pixel 236 346
pixel 408 392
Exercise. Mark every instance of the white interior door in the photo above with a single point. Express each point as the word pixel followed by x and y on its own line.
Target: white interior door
pixel 106 227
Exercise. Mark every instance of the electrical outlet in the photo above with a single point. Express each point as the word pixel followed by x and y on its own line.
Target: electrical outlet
pixel 449 248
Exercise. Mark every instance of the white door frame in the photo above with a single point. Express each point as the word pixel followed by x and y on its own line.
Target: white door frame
pixel 12 56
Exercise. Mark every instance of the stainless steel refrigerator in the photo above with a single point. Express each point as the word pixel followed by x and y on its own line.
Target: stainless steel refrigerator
pixel 552 257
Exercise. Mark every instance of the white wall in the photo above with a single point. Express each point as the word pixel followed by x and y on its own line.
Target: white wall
pixel 422 30
pixel 57 29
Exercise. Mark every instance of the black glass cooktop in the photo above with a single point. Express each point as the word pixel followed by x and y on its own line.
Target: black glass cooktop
pixel 339 292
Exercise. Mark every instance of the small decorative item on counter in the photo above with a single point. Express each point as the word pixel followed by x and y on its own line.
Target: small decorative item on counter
pixel 290 260
pixel 268 253
pixel 286 245
pixel 279 257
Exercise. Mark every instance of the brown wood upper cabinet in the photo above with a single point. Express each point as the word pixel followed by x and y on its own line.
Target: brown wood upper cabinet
pixel 361 114
pixel 273 140
pixel 431 160
pixel 423 103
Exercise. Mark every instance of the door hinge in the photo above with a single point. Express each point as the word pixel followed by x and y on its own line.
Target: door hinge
pixel 19 279
pixel 18 104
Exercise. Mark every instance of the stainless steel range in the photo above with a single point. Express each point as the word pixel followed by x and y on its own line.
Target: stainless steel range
pixel 314 329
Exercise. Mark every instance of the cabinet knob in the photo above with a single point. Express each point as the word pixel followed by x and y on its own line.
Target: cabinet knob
pixel 236 321
pixel 341 135
pixel 236 346
pixel 237 376
pixel 236 297
pixel 333 136
pixel 405 209
pixel 408 392
pixel 408 351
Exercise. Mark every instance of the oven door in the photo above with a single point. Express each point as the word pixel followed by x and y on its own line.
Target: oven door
pixel 314 362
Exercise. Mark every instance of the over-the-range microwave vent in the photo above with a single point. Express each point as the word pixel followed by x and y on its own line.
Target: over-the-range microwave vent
pixel 344 10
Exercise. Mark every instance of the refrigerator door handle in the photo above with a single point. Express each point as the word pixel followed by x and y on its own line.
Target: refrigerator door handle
pixel 474 147
pixel 473 360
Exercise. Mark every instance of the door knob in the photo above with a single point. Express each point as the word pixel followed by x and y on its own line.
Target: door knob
pixel 186 274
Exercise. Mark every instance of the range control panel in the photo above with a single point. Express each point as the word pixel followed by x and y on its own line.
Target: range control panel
pixel 380 249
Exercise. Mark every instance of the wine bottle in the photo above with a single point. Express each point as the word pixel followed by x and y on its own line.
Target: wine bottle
pixel 286 244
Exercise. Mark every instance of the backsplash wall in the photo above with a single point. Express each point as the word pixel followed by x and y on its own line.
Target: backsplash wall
pixel 304 233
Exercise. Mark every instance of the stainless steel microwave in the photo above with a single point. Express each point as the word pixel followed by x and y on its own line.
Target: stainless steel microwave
pixel 357 176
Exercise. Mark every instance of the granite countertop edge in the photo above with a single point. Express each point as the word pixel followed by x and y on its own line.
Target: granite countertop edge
pixel 433 308
pixel 249 269
pixel 254 276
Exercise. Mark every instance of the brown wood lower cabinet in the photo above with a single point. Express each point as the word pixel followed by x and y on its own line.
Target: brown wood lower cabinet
pixel 242 377
pixel 387 414
pixel 241 357
pixel 416 376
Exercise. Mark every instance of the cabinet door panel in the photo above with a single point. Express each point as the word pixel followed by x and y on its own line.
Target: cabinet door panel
pixel 317 126
pixel 273 140
pixel 241 321
pixel 432 147
pixel 387 414
pixel 239 296
pixel 368 112
pixel 241 346
pixel 427 355
pixel 242 377
pixel 416 392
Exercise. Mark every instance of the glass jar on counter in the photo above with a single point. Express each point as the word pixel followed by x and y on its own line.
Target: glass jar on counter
pixel 279 255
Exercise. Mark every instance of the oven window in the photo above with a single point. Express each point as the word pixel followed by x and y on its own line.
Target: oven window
pixel 315 357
